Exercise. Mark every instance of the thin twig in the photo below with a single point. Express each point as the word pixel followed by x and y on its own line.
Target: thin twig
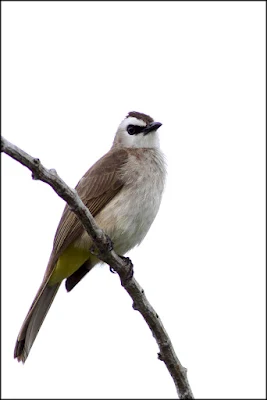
pixel 107 254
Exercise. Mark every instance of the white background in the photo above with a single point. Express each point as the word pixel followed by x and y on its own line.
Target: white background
pixel 71 71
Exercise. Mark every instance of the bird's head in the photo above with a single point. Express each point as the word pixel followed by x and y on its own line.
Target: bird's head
pixel 137 130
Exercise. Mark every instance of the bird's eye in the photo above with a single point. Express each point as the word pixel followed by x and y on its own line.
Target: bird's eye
pixel 131 129
pixel 134 129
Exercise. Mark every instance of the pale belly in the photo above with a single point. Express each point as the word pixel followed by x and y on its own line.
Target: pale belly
pixel 129 215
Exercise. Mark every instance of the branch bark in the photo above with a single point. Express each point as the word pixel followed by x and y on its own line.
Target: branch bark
pixel 107 254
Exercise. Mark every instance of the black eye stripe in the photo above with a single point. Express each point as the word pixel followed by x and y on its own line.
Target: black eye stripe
pixel 134 129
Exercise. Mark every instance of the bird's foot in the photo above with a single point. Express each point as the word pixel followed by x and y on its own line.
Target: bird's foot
pixel 109 243
pixel 107 247
pixel 128 274
pixel 129 270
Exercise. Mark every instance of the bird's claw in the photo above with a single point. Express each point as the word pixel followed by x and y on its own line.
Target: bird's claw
pixel 109 243
pixel 129 274
pixel 128 270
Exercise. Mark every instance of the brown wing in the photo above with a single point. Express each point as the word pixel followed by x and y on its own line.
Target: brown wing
pixel 96 188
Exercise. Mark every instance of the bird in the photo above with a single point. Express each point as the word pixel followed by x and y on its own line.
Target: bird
pixel 123 192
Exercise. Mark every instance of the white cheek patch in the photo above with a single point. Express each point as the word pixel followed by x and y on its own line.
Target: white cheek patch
pixel 125 139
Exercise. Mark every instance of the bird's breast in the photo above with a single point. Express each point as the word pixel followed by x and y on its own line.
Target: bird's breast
pixel 129 215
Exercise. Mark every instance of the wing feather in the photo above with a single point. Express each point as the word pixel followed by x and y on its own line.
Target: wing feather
pixel 96 188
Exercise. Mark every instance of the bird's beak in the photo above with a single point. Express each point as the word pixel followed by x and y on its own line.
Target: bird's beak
pixel 152 127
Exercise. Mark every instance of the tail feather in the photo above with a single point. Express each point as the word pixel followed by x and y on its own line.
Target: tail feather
pixel 34 320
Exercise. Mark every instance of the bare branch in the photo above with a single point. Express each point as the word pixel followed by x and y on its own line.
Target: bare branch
pixel 105 252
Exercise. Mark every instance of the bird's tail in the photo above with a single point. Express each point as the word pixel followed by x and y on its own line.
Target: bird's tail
pixel 34 320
